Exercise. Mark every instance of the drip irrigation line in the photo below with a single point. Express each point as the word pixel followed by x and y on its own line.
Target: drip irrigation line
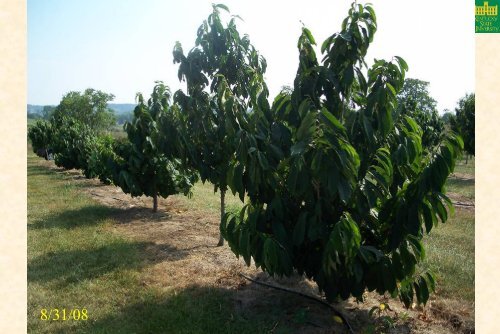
pixel 463 204
pixel 337 312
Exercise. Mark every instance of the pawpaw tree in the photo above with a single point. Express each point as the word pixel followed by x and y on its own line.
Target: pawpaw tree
pixel 40 135
pixel 140 167
pixel 339 189
pixel 101 156
pixel 72 142
pixel 223 73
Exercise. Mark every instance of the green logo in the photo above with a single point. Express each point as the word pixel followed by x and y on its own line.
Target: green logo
pixel 487 16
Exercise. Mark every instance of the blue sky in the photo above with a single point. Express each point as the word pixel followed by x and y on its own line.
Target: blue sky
pixel 122 47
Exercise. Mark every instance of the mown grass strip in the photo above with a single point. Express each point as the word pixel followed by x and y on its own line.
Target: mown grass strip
pixel 450 254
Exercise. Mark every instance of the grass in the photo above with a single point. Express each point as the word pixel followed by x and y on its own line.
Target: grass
pixel 450 246
pixel 463 187
pixel 75 261
pixel 450 255
pixel 466 168
pixel 463 182
pixel 206 199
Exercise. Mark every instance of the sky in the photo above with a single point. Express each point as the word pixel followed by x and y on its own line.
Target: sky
pixel 123 46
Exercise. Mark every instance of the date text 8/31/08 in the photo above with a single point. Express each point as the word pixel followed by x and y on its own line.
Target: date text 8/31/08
pixel 63 314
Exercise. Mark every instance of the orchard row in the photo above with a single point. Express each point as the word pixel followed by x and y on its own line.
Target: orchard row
pixel 339 182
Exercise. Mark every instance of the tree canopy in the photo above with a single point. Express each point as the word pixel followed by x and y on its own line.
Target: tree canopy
pixel 339 188
pixel 88 108
pixel 142 168
pixel 224 75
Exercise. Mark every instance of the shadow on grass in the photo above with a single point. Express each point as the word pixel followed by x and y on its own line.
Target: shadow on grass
pixel 67 174
pixel 68 267
pixel 460 182
pixel 95 214
pixel 129 215
pixel 39 170
pixel 201 309
pixel 196 309
pixel 68 219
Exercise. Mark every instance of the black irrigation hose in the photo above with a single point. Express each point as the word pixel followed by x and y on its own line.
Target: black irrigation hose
pixel 463 204
pixel 338 313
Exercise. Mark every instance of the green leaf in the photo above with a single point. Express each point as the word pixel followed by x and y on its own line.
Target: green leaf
pixel 441 210
pixel 298 149
pixel 300 229
pixel 421 290
pixel 429 217
pixel 402 63
pixel 262 160
pixel 306 128
pixel 280 233
pixel 431 281
pixel 244 245
pixel 370 254
pixel 326 44
pixel 309 36
pixel 348 76
pixel 344 189
pixel 372 12
pixel 332 122
pixel 417 247
pixel 316 162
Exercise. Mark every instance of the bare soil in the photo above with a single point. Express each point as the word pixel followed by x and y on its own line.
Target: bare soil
pixel 181 253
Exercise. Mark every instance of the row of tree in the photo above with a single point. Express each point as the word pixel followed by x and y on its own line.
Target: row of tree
pixel 77 135
pixel 340 177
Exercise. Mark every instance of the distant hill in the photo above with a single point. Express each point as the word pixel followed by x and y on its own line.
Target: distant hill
pixel 118 108
pixel 122 111
pixel 35 109
pixel 121 108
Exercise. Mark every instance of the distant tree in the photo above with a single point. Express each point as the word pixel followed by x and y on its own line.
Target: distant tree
pixel 33 115
pixel 285 89
pixel 141 167
pixel 446 117
pixel 47 112
pixel 417 91
pixel 124 117
pixel 464 121
pixel 76 123
pixel 89 108
pixel 223 73
pixel 414 101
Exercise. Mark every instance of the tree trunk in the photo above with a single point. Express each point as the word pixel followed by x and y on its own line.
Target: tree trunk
pixel 222 212
pixel 466 158
pixel 155 202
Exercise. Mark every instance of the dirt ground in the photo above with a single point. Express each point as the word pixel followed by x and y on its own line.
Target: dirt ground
pixel 181 253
